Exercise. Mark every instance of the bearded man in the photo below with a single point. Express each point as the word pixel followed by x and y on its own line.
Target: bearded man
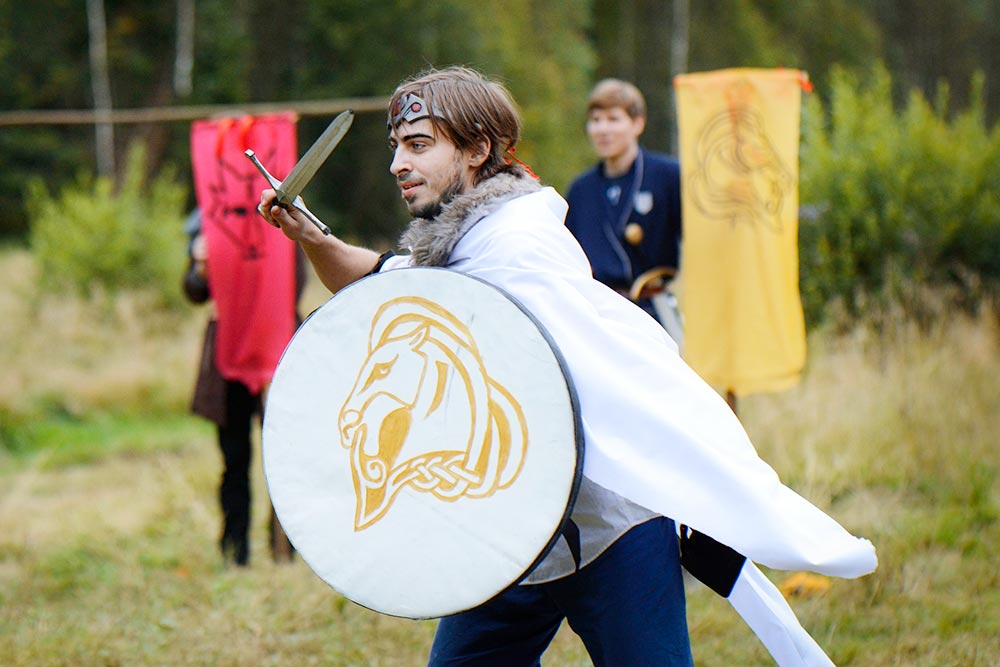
pixel 660 444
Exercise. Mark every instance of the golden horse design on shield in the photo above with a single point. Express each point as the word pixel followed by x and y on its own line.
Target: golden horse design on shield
pixel 738 175
pixel 424 413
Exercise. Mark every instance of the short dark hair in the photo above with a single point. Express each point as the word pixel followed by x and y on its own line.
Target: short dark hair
pixel 468 109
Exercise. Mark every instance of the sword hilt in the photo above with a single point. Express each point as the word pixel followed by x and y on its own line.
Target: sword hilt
pixel 296 203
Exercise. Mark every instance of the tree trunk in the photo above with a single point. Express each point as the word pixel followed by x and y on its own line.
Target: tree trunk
pixel 678 60
pixel 652 71
pixel 184 58
pixel 100 82
pixel 632 38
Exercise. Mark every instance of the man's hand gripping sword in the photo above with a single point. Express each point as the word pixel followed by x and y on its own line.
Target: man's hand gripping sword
pixel 288 190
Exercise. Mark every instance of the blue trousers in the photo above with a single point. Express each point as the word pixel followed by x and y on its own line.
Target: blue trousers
pixel 627 606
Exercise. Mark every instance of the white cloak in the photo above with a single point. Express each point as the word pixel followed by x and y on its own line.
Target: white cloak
pixel 654 431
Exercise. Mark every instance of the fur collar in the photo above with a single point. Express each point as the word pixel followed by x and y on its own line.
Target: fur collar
pixel 431 241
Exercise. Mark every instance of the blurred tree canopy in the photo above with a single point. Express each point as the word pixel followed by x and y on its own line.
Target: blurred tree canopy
pixel 896 201
pixel 549 52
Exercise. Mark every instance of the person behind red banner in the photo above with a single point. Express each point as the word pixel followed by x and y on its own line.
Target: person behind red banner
pixel 253 281
pixel 230 404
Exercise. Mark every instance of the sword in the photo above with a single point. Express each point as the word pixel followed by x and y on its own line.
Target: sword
pixel 288 190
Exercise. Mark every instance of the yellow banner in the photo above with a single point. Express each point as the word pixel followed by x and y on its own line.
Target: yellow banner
pixel 739 139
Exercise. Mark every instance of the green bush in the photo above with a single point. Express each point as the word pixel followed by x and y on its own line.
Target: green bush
pixel 90 237
pixel 895 201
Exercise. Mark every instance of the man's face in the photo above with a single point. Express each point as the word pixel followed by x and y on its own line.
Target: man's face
pixel 429 169
pixel 613 132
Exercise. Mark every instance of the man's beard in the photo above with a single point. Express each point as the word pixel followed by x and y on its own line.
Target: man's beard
pixel 431 210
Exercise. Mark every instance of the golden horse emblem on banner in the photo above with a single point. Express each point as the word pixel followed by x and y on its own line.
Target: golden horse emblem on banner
pixel 424 413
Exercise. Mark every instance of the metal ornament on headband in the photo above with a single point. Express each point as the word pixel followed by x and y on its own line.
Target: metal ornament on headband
pixel 410 108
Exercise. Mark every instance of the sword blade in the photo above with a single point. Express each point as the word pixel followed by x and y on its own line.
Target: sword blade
pixel 314 158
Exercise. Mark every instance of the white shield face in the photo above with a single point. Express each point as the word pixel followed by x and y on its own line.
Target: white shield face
pixel 421 444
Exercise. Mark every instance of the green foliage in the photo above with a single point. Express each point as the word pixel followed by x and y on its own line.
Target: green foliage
pixel 72 440
pixel 550 79
pixel 367 55
pixel 895 201
pixel 90 238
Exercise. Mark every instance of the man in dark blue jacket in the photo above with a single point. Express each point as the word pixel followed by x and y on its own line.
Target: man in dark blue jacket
pixel 626 210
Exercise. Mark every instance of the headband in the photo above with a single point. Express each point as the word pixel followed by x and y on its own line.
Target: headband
pixel 411 108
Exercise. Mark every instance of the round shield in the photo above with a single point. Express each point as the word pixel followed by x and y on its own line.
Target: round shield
pixel 421 442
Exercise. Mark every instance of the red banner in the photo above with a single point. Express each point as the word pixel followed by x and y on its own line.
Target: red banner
pixel 251 266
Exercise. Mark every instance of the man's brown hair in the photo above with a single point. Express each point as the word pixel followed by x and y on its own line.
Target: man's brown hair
pixel 611 93
pixel 469 110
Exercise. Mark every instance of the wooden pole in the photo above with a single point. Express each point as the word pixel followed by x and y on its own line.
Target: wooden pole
pixel 188 113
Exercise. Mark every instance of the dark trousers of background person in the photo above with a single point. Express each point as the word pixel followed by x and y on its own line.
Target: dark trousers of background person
pixel 234 488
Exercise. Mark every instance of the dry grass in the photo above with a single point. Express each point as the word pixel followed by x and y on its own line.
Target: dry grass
pixel 895 433
pixel 90 355
pixel 113 562
pixel 102 354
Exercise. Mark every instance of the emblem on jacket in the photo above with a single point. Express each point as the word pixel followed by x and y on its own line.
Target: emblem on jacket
pixel 643 202
pixel 425 413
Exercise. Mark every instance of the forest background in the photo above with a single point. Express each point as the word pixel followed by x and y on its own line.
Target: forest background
pixel 899 174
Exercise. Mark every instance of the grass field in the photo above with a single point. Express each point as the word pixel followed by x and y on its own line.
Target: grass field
pixel 108 519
